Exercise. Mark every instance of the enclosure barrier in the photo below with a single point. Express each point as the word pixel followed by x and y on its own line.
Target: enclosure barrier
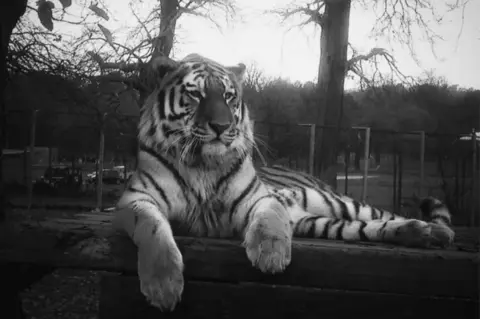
pixel 461 170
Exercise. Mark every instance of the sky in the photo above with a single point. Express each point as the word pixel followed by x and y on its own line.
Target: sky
pixel 259 38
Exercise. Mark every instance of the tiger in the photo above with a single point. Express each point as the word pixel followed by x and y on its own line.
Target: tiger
pixel 195 169
pixel 321 201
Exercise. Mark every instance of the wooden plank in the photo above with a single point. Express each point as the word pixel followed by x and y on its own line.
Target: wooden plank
pixel 79 221
pixel 121 298
pixel 95 216
pixel 330 264
pixel 323 264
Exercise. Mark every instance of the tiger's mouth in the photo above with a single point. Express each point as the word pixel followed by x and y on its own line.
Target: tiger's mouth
pixel 211 151
pixel 219 140
pixel 217 145
pixel 225 138
pixel 198 147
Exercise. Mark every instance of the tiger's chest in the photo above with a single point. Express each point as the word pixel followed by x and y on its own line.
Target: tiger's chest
pixel 211 197
pixel 210 218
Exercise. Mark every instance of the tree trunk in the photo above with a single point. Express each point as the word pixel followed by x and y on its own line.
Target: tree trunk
pixel 163 45
pixel 331 78
pixel 10 13
pixel 168 22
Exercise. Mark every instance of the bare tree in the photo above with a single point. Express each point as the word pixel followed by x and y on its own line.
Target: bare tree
pixel 396 19
pixel 94 50
pixel 153 36
pixel 255 78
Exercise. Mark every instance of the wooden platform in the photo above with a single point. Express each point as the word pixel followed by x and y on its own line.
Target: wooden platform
pixel 327 279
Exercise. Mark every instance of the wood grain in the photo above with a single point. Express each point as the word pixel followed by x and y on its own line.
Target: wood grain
pixel 328 279
pixel 121 299
pixel 323 264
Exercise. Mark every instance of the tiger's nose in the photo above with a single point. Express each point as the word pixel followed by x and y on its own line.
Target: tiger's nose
pixel 219 128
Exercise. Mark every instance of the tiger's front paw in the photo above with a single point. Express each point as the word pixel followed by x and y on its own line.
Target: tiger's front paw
pixel 160 270
pixel 268 243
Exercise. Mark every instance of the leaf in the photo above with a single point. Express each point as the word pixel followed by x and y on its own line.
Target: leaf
pixel 99 12
pixel 66 3
pixel 107 34
pixel 45 13
pixel 97 58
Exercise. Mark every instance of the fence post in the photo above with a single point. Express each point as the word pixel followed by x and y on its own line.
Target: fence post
pixel 366 163
pixel 101 152
pixel 30 166
pixel 422 163
pixel 395 169
pixel 477 136
pixel 400 180
pixel 474 177
pixel 311 157
pixel 346 164
pixel 124 162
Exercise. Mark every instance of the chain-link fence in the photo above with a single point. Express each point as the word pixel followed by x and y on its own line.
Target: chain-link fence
pixel 384 168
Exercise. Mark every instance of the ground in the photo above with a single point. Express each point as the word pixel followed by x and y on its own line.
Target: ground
pixel 66 294
pixel 84 201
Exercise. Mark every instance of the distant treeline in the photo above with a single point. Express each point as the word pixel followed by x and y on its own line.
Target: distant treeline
pixel 71 114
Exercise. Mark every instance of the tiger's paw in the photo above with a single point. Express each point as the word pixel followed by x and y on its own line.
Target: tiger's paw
pixel 410 233
pixel 268 243
pixel 441 235
pixel 418 233
pixel 161 275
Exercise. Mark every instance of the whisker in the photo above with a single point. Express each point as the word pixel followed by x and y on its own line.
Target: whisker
pixel 174 143
pixel 195 143
pixel 265 146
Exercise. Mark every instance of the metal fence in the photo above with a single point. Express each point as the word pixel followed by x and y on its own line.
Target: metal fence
pixel 383 168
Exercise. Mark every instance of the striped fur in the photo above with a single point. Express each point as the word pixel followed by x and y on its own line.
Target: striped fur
pixel 195 169
pixel 318 211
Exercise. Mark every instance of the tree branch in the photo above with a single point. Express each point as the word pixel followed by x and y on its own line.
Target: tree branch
pixel 356 65
pixel 399 20
pixel 314 15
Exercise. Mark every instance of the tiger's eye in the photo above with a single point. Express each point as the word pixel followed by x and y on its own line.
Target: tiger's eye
pixel 195 94
pixel 228 95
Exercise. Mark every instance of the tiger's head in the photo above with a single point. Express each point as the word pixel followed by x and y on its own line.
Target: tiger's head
pixel 197 114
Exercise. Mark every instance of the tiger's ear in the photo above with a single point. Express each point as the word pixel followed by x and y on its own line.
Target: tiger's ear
pixel 194 56
pixel 163 65
pixel 239 71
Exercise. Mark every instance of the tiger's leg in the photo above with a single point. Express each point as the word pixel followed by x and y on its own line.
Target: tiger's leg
pixel 437 217
pixel 160 263
pixel 410 233
pixel 268 234
pixel 345 209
